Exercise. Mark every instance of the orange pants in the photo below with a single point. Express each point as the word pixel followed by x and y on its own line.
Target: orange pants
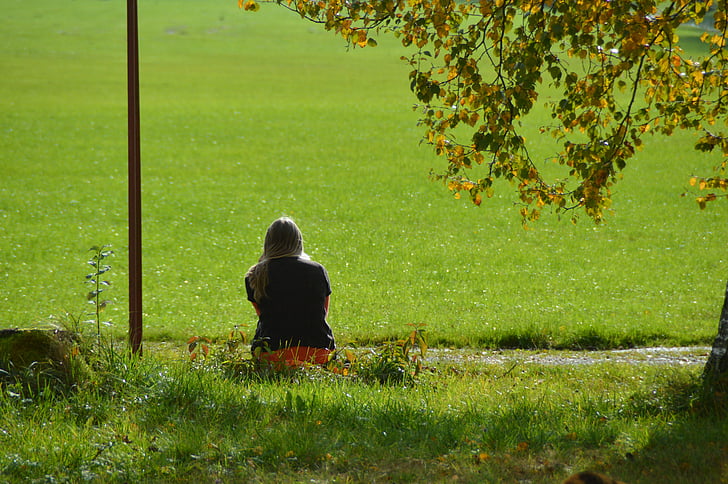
pixel 296 356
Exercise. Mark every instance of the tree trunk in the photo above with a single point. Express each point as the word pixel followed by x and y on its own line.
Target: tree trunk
pixel 718 361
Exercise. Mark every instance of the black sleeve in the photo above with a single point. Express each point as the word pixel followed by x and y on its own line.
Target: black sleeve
pixel 327 288
pixel 249 290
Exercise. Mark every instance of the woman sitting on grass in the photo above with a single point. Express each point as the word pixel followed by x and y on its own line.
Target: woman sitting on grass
pixel 290 294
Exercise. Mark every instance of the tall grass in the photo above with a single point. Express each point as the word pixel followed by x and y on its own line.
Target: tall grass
pixel 246 117
pixel 171 421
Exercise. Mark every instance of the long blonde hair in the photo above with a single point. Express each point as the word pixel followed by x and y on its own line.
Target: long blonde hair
pixel 283 239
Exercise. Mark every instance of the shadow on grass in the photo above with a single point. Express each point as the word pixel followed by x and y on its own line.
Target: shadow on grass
pixel 690 447
pixel 355 433
pixel 534 338
pixel 693 450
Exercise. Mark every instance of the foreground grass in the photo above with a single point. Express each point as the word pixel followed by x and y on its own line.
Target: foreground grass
pixel 166 420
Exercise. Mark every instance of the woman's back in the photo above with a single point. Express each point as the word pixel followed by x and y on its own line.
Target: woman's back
pixel 293 310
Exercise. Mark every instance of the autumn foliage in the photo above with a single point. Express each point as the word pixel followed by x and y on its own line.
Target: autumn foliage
pixel 616 68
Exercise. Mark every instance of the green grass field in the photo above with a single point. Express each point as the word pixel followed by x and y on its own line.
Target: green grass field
pixel 247 117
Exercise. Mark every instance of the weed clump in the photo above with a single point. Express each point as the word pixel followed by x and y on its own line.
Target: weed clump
pixel 392 363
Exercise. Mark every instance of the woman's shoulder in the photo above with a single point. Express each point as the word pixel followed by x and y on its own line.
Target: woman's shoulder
pixel 309 262
pixel 297 261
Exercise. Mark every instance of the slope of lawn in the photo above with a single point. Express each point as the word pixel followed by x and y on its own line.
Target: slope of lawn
pixel 247 117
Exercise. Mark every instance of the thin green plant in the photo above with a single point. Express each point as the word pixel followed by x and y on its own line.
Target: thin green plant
pixel 99 283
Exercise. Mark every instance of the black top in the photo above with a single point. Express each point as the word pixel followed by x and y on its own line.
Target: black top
pixel 292 312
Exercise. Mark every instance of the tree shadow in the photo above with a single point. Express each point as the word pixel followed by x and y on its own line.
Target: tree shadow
pixel 690 445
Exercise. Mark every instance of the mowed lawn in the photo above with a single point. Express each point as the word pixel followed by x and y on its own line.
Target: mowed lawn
pixel 250 116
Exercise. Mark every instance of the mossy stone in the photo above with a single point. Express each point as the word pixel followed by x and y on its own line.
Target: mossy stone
pixel 48 353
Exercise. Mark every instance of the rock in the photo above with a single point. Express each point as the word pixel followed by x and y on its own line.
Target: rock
pixel 36 358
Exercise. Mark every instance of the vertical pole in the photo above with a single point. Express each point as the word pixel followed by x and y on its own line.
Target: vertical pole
pixel 135 202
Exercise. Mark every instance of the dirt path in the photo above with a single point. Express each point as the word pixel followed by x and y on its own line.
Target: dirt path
pixel 694 355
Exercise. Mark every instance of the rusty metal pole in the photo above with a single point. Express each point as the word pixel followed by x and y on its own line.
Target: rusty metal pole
pixel 135 196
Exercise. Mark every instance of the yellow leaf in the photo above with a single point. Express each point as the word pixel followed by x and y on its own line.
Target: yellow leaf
pixel 251 6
